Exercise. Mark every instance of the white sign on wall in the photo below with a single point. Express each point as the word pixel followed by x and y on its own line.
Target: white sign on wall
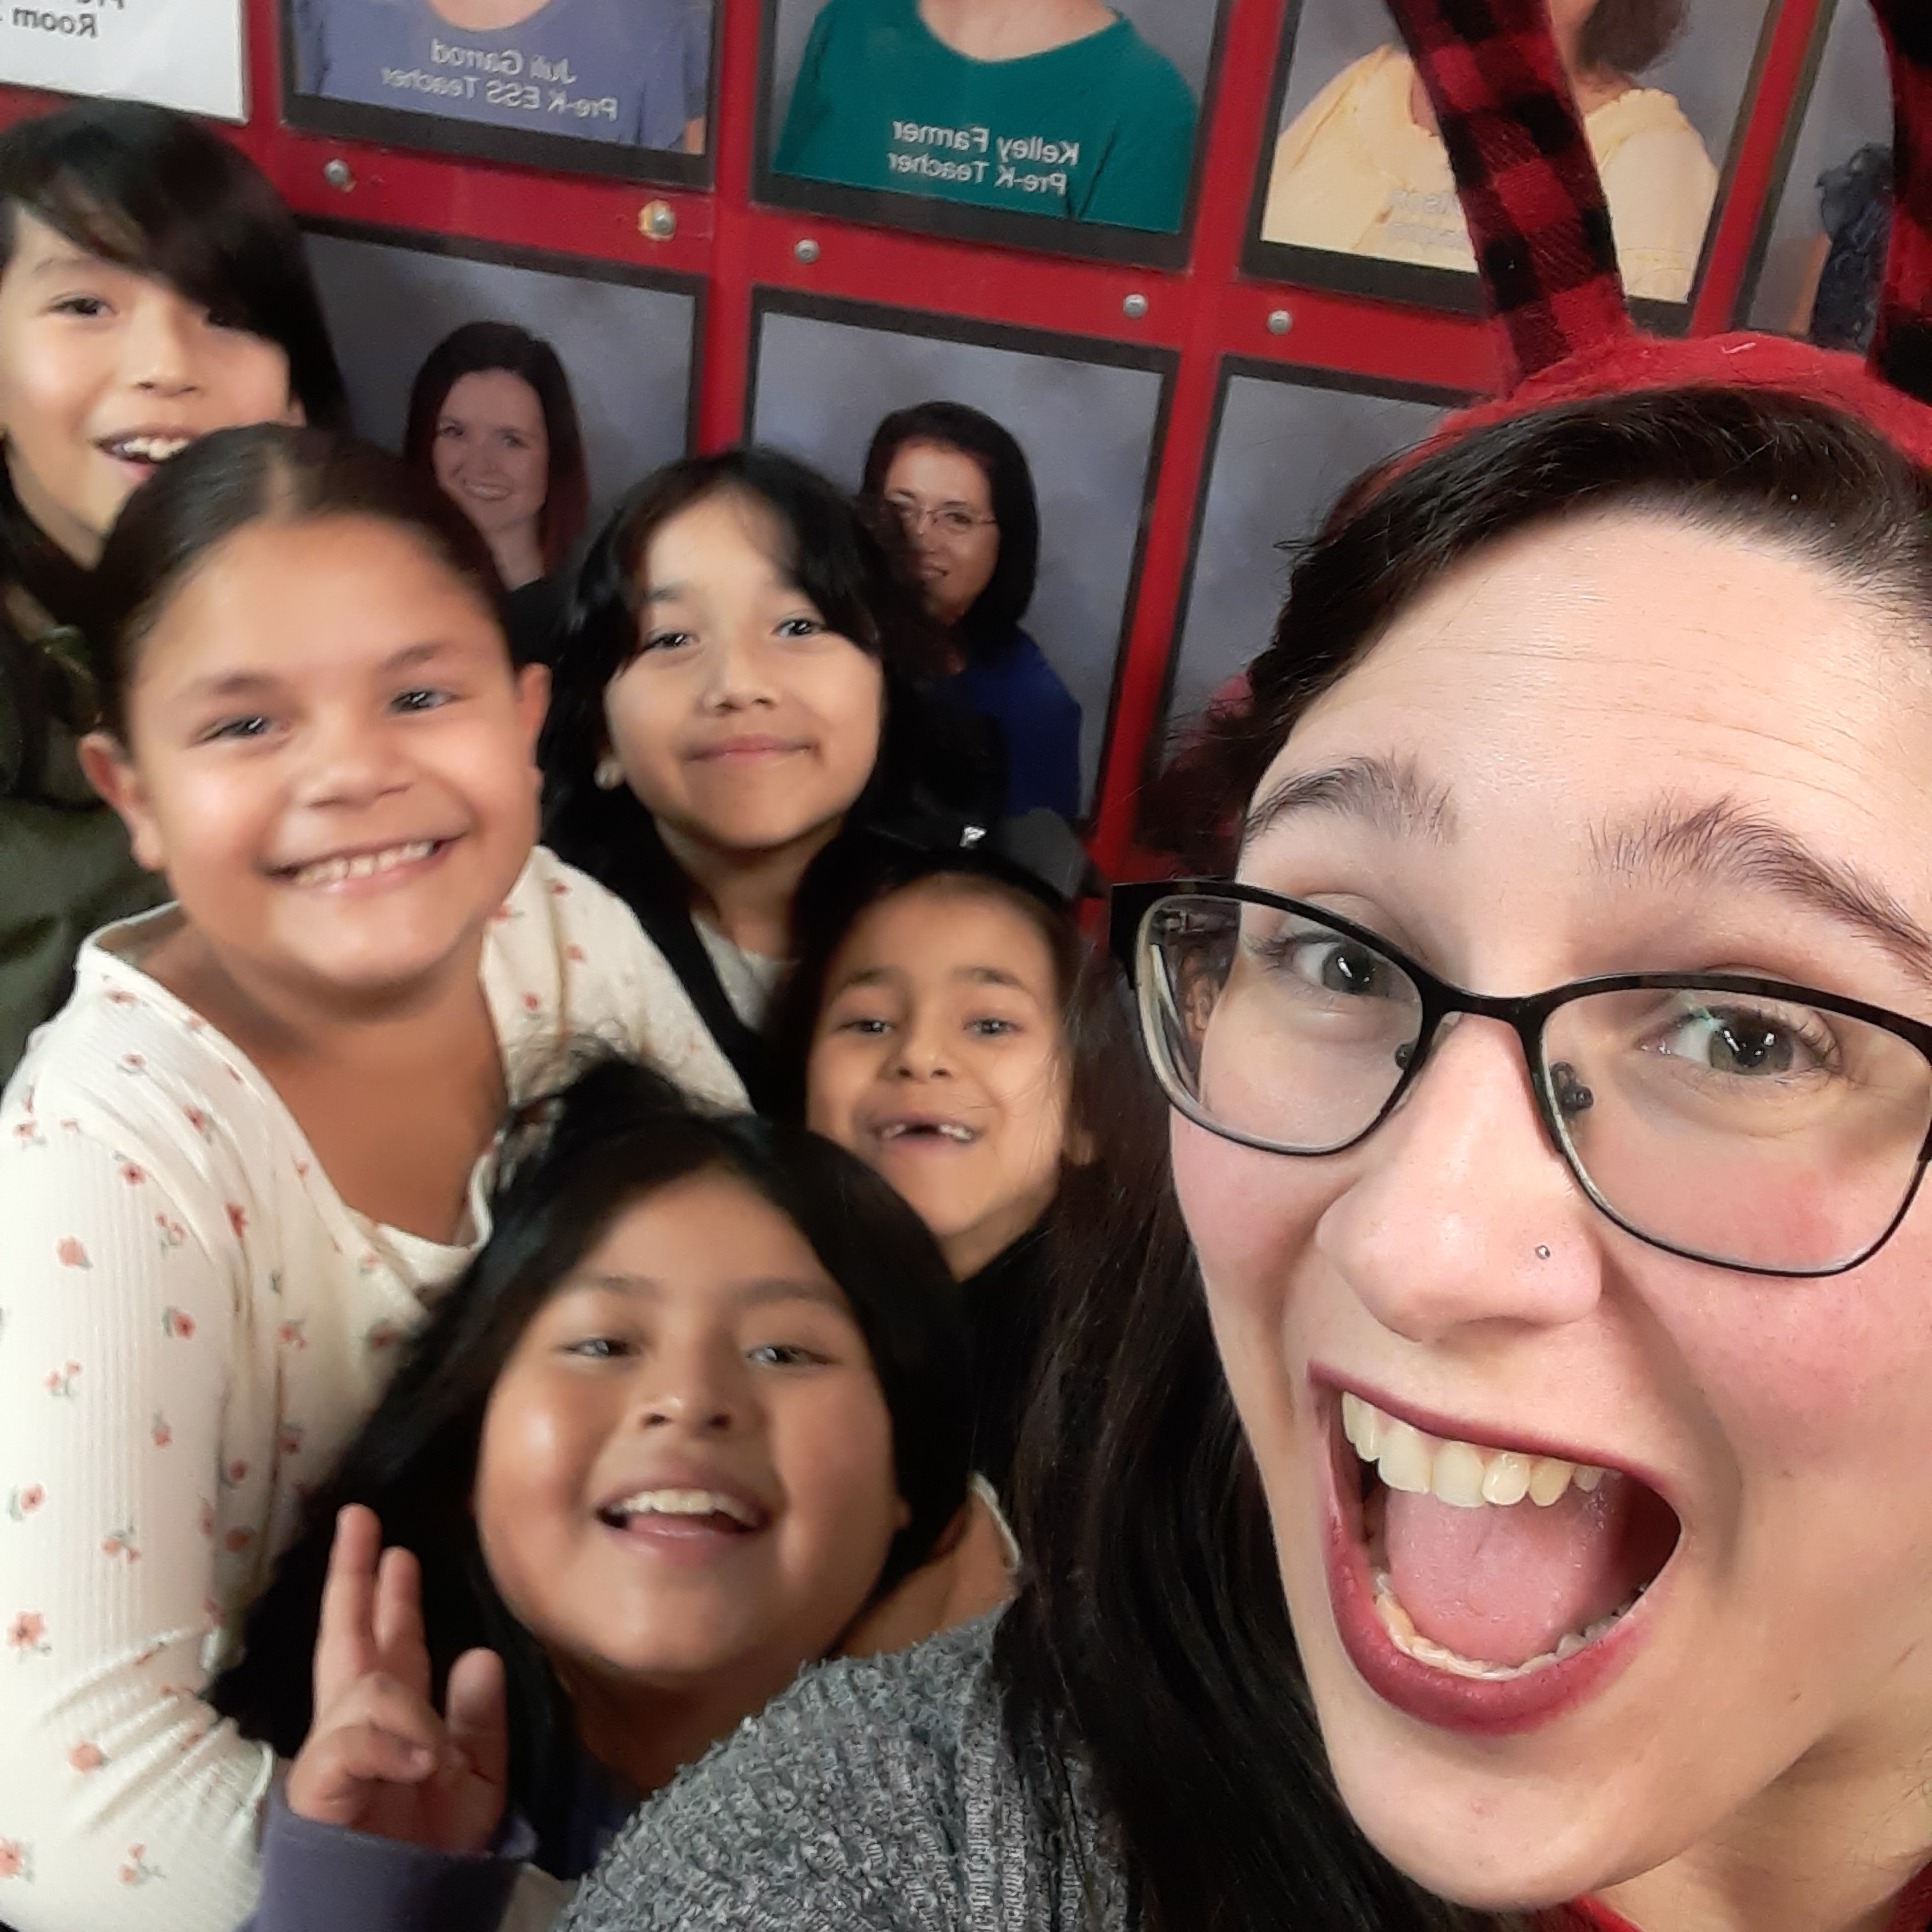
pixel 181 53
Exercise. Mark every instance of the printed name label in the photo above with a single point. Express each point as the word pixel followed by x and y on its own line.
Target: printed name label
pixel 1032 164
pixel 185 54
pixel 507 79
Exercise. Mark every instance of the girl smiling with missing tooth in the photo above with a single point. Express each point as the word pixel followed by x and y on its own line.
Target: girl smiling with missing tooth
pixel 237 1170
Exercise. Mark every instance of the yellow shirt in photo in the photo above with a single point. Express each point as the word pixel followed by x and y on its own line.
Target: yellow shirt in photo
pixel 1357 175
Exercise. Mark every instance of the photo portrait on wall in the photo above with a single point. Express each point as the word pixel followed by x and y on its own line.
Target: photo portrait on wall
pixel 1076 128
pixel 1287 442
pixel 1020 465
pixel 1820 255
pixel 534 390
pixel 1357 191
pixel 593 86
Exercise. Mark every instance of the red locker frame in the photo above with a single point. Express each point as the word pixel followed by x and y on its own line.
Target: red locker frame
pixel 1204 312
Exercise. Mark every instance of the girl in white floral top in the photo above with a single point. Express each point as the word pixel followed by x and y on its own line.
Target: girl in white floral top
pixel 238 1167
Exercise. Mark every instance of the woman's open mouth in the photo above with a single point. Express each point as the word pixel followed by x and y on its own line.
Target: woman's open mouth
pixel 1480 1587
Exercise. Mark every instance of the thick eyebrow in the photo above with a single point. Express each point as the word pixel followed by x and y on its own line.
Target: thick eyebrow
pixel 1388 793
pixel 867 976
pixel 65 260
pixel 1722 843
pixel 945 503
pixel 973 975
pixel 247 684
pixel 229 684
pixel 756 1292
pixel 992 976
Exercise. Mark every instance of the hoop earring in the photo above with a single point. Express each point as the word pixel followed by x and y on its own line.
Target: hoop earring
pixel 609 773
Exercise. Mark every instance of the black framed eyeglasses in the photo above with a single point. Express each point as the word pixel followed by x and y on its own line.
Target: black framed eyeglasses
pixel 1741 1121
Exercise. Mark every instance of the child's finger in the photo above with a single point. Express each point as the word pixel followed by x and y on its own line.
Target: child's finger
pixel 397 1708
pixel 345 1646
pixel 478 1724
pixel 401 1650
pixel 342 1769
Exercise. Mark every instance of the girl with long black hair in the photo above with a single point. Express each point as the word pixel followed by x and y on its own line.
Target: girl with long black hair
pixel 694 1411
pixel 742 677
pixel 949 1023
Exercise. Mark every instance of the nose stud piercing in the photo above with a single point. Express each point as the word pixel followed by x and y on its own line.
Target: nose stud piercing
pixel 1542 1254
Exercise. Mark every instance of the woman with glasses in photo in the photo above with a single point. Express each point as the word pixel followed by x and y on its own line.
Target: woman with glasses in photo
pixel 959 485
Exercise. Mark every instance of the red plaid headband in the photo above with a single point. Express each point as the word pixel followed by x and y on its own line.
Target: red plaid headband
pixel 1541 229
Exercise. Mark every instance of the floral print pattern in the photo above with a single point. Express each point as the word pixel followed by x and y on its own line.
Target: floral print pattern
pixel 188 1300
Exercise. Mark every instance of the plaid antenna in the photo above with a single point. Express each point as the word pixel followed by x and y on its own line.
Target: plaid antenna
pixel 1525 174
pixel 1541 228
pixel 1902 346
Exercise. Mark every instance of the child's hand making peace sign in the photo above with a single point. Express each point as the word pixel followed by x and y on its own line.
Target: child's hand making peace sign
pixel 378 1759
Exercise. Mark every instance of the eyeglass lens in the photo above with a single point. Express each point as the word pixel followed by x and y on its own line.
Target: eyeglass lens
pixel 1757 1132
pixel 954 521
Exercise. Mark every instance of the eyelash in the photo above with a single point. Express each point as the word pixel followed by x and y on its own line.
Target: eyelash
pixel 870 1027
pixel 257 724
pixel 237 730
pixel 612 1348
pixel 793 629
pixel 598 1348
pixel 800 1356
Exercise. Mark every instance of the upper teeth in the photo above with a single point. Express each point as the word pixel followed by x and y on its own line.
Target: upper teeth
pixel 324 872
pixel 686 1502
pixel 152 449
pixel 947 1129
pixel 1459 1473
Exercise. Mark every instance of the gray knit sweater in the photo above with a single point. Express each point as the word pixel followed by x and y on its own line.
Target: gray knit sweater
pixel 872 1797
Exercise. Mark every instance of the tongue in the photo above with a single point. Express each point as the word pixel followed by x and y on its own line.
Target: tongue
pixel 1500 1586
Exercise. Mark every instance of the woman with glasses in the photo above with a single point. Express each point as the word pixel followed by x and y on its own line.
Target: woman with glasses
pixel 1505 1505
pixel 959 485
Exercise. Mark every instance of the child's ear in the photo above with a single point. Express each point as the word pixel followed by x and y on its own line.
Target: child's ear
pixel 901 1513
pixel 533 702
pixel 112 773
pixel 1081 1150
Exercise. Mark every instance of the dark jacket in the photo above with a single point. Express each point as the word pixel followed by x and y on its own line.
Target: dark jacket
pixel 65 865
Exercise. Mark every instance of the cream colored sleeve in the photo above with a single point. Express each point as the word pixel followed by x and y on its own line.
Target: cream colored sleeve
pixel 125 1804
pixel 590 970
pixel 1661 188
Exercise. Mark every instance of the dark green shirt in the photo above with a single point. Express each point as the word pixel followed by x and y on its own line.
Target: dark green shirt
pixel 65 866
pixel 1101 129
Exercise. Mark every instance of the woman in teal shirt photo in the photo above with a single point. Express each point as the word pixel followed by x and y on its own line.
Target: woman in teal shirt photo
pixel 1052 107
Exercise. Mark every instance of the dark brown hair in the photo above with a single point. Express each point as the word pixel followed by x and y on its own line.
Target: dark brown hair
pixel 267 472
pixel 1629 36
pixel 998 608
pixel 1155 1646
pixel 150 190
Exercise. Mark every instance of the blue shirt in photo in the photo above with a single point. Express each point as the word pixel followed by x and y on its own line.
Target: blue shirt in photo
pixel 1038 719
pixel 630 72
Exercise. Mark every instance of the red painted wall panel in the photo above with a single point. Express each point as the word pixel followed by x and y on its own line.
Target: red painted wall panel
pixel 1204 311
